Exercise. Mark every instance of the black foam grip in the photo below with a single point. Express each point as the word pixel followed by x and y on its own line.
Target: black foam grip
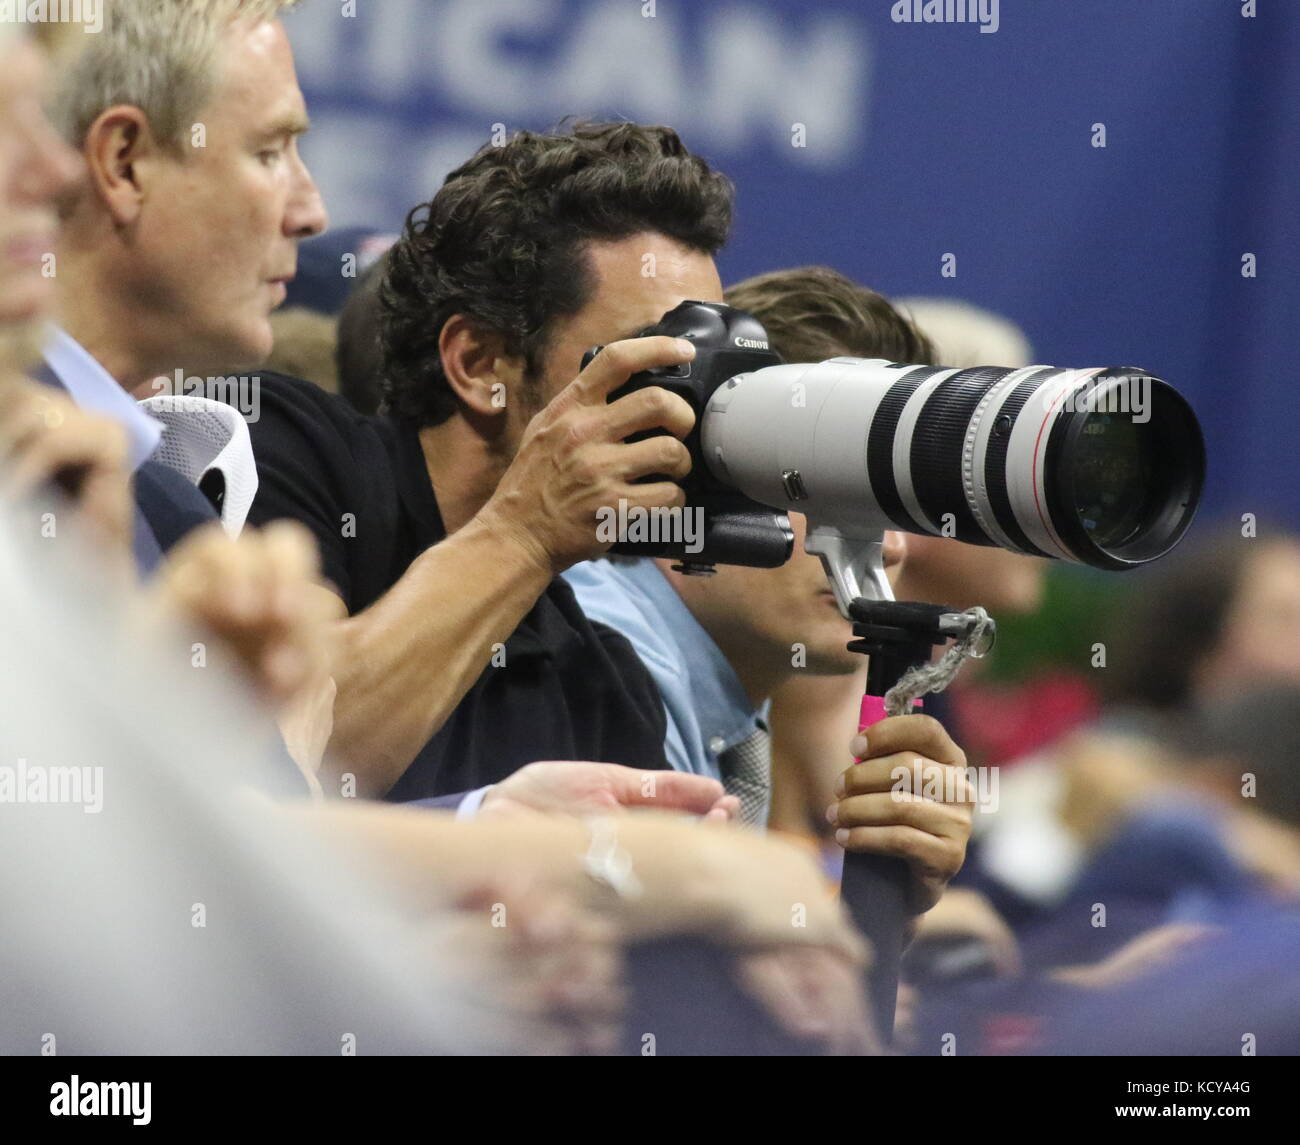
pixel 874 890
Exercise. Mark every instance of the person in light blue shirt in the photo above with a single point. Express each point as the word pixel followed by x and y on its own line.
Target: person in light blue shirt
pixel 708 707
pixel 93 388
pixel 718 646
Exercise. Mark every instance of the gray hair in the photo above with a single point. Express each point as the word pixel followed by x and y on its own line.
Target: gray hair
pixel 155 55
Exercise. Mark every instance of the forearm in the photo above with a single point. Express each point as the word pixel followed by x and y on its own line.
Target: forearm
pixel 431 859
pixel 406 662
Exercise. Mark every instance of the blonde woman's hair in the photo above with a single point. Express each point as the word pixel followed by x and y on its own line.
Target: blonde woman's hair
pixel 156 55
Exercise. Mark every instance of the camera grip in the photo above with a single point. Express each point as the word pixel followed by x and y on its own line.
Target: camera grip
pixel 874 890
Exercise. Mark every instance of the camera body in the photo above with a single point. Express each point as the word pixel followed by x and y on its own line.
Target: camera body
pixel 734 529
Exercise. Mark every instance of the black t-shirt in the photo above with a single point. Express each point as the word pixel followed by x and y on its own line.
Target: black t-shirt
pixel 569 688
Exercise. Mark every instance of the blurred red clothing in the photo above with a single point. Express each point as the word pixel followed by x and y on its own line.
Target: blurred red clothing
pixel 1001 724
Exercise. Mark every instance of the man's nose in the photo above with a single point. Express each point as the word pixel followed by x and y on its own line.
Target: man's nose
pixel 306 216
pixel 894 549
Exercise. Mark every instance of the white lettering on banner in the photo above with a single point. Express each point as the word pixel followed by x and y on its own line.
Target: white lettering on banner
pixel 729 77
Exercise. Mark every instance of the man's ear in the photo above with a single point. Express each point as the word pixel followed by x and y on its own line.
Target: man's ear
pixel 118 146
pixel 478 367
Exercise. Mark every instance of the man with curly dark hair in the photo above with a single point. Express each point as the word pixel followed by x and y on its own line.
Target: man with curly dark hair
pixel 508 242
pixel 445 521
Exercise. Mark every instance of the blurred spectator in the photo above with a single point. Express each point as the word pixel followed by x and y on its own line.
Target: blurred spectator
pixel 305 346
pixel 1219 615
pixel 1244 750
pixel 331 266
pixel 967 335
pixel 328 330
pixel 360 364
pixel 1199 877
pixel 1107 814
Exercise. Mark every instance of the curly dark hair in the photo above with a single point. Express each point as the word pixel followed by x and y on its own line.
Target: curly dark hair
pixel 504 243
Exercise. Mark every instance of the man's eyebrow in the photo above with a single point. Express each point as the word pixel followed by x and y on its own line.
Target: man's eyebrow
pixel 292 124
